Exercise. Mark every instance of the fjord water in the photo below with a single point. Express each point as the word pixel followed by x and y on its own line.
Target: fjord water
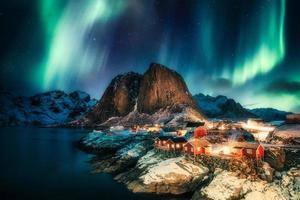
pixel 43 163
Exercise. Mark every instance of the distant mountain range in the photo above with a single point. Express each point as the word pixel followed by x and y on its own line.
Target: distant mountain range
pixel 226 108
pixel 221 107
pixel 53 107
pixel 160 95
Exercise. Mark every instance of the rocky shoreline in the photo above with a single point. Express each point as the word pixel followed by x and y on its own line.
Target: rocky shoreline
pixel 134 162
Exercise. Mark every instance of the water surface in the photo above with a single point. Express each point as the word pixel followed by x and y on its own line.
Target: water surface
pixel 43 163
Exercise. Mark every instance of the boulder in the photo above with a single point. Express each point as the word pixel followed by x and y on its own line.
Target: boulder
pixel 266 172
pixel 275 157
pixel 290 183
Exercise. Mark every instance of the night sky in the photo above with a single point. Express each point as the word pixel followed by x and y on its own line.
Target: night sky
pixel 247 50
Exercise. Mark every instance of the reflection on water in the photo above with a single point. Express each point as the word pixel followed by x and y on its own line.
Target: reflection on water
pixel 40 163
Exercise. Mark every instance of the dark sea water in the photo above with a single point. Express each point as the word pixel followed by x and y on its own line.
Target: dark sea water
pixel 43 163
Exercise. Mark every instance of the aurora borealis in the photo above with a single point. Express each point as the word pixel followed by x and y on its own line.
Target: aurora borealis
pixel 246 50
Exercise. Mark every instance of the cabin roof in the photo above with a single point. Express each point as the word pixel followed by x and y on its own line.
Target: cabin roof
pixel 194 124
pixel 163 137
pixel 199 142
pixel 178 140
pixel 250 145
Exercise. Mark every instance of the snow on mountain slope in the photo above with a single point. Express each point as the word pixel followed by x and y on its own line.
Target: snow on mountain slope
pixel 43 109
pixel 221 107
pixel 270 114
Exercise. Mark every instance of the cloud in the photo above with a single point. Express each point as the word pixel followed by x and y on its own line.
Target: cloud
pixel 283 86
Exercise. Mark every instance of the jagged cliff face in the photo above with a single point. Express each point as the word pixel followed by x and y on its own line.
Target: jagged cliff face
pixel 118 99
pixel 160 88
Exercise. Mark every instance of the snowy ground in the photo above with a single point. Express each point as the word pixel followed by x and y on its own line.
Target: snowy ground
pixel 226 185
pixel 288 131
pixel 173 170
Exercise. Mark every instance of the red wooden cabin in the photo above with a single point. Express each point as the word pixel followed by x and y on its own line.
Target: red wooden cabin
pixel 248 149
pixel 197 146
pixel 161 141
pixel 176 143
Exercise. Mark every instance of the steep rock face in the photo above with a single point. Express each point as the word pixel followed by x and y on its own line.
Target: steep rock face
pixel 221 107
pixel 162 87
pixel 118 99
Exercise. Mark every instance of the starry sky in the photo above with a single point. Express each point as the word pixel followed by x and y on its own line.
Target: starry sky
pixel 245 49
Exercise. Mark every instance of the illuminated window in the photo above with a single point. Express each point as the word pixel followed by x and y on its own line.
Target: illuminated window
pixel 192 149
pixel 249 151
pixel 178 145
pixel 198 148
pixel 172 145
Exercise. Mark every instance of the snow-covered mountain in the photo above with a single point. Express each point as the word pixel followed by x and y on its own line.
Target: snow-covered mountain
pixel 270 114
pixel 160 95
pixel 53 107
pixel 221 107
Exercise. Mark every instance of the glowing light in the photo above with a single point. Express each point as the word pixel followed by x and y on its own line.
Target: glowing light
pixel 253 125
pixel 71 51
pixel 221 149
pixel 271 45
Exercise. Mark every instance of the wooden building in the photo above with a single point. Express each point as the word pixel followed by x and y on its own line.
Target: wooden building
pixel 176 143
pixel 197 146
pixel 247 149
pixel 162 140
pixel 200 146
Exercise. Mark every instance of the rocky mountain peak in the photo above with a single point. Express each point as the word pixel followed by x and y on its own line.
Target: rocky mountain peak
pixel 118 99
pixel 162 87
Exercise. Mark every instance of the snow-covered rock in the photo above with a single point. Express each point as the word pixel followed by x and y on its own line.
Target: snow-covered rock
pixel 170 116
pixel 155 173
pixel 123 159
pixel 104 141
pixel 226 186
pixel 289 182
pixel 172 171
pixel 116 152
pixel 53 107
